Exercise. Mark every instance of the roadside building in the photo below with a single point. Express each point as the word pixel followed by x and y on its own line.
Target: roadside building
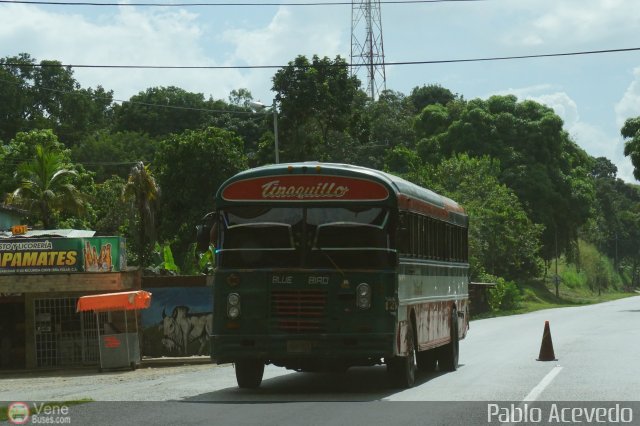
pixel 42 275
pixel 10 216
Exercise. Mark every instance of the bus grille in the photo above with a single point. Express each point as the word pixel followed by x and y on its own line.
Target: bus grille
pixel 299 311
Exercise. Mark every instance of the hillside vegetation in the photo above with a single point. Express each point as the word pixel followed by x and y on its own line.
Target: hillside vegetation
pixel 147 168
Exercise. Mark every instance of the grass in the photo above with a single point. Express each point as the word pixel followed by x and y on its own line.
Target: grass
pixel 538 295
pixel 576 283
pixel 4 409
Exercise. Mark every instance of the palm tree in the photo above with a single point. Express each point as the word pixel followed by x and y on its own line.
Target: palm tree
pixel 45 187
pixel 142 191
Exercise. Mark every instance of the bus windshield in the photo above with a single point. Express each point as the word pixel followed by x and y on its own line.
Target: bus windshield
pixel 306 237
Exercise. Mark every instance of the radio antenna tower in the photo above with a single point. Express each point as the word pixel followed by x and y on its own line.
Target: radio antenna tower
pixel 367 50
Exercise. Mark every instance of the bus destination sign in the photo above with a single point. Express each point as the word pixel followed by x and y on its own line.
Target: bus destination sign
pixel 305 188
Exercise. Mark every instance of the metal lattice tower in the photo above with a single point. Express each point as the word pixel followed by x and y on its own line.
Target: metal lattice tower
pixel 367 50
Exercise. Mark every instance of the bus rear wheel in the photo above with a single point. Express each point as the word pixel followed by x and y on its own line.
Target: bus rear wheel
pixel 448 355
pixel 427 361
pixel 249 373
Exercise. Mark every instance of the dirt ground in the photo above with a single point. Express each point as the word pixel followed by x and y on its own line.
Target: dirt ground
pixel 159 381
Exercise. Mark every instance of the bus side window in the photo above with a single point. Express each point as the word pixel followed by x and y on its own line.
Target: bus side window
pixel 403 234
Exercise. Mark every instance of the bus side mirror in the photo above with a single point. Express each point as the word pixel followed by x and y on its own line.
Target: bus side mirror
pixel 202 238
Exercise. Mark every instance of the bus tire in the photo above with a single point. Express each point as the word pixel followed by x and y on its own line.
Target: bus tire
pixel 427 361
pixel 249 373
pixel 448 354
pixel 402 369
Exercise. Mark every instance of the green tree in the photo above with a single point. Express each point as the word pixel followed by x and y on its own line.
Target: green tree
pixel 503 240
pixel 615 225
pixel 406 163
pixel 547 171
pixel 631 130
pixel 46 187
pixel 190 167
pixel 111 208
pixel 16 96
pixel 317 100
pixel 432 94
pixel 385 125
pixel 241 97
pixel 160 111
pixel 48 97
pixel 142 191
pixel 109 153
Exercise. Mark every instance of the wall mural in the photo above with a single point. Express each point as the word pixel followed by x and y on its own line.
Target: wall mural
pixel 178 322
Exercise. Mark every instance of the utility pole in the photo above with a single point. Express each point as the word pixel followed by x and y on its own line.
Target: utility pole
pixel 259 106
pixel 275 130
pixel 367 49
pixel 556 279
pixel 616 260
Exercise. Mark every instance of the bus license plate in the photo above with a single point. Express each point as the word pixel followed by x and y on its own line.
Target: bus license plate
pixel 299 346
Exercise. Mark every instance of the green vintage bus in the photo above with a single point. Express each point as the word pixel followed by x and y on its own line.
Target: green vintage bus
pixel 326 266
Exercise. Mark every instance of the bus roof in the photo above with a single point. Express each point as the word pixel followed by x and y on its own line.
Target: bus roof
pixel 407 195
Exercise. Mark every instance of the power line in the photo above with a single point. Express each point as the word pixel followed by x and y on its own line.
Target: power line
pixel 240 112
pixel 250 4
pixel 17 162
pixel 226 67
pixel 67 92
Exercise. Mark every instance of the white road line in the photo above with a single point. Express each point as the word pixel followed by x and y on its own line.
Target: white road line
pixel 538 389
pixel 535 392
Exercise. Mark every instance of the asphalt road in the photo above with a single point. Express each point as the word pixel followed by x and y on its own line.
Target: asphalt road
pixel 598 364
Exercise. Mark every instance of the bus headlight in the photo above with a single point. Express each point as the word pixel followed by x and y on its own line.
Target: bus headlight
pixel 363 296
pixel 233 305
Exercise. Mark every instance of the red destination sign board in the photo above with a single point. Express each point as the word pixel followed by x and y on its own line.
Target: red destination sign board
pixel 305 188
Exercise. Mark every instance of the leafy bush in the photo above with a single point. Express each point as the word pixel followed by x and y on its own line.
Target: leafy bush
pixel 572 278
pixel 505 295
pixel 599 269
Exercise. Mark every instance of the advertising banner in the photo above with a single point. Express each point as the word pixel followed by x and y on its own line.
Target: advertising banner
pixel 62 255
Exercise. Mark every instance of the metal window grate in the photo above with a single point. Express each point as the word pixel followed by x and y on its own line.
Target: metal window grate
pixel 64 337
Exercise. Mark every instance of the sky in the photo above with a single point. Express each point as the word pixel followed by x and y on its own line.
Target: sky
pixel 593 94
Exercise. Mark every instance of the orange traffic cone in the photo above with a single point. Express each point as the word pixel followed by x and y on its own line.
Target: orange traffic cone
pixel 546 348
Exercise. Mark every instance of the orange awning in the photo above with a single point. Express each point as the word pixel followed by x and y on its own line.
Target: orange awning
pixel 124 301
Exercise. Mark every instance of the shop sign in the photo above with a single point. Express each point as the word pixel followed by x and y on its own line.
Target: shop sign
pixel 55 255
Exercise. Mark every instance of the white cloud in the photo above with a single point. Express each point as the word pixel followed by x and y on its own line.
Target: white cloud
pixel 629 105
pixel 576 21
pixel 128 37
pixel 589 136
pixel 596 142
pixel 150 36
pixel 563 105
pixel 290 33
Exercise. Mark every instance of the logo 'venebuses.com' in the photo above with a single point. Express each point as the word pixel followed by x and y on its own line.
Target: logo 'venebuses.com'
pixel 18 413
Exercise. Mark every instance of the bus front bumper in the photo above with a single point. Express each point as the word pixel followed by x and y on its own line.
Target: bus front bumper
pixel 229 348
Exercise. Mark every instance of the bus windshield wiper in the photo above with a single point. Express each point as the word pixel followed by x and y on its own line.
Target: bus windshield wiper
pixel 335 265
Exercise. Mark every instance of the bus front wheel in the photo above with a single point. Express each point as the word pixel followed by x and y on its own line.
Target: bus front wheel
pixel 249 373
pixel 402 369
